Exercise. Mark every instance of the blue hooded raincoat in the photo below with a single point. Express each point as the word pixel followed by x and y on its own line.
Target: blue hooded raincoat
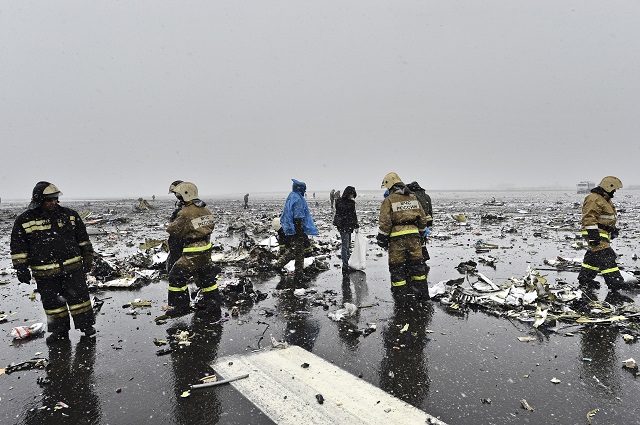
pixel 296 207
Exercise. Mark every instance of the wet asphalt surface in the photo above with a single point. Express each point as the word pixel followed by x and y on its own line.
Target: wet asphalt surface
pixel 461 367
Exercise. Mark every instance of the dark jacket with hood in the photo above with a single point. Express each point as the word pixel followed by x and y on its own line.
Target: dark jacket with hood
pixel 345 219
pixel 49 242
pixel 424 199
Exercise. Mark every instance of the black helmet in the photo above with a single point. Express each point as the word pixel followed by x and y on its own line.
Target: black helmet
pixel 41 191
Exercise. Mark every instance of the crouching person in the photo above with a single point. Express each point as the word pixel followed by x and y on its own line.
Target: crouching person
pixel 193 225
pixel 51 242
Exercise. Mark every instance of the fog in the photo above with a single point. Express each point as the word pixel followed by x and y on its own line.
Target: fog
pixel 120 99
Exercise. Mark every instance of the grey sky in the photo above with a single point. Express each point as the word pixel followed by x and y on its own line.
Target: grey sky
pixel 121 98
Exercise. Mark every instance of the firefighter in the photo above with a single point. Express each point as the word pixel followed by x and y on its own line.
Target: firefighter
pixel 599 228
pixel 193 225
pixel 402 224
pixel 175 244
pixel 52 241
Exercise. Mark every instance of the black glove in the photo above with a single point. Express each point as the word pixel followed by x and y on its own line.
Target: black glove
pixel 87 262
pixel 593 237
pixel 614 233
pixel 382 240
pixel 24 275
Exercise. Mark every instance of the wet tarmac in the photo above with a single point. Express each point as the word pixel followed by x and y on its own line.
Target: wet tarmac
pixel 461 366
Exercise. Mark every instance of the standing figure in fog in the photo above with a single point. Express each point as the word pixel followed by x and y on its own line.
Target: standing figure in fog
pixel 599 228
pixel 297 223
pixel 52 241
pixel 402 223
pixel 246 201
pixel 193 224
pixel 346 221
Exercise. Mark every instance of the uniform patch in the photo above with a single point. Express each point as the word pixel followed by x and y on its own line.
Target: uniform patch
pixel 405 205
pixel 203 221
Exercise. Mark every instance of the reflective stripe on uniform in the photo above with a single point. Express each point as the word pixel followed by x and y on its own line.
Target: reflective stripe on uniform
pixel 611 270
pixel 404 232
pixel 197 248
pixel 80 308
pixel 57 312
pixel 30 226
pixel 402 282
pixel 56 265
pixel 19 256
pixel 608 216
pixel 587 266
pixel 210 288
pixel 421 277
pixel 592 227
pixel 177 288
pixel 602 235
pixel 84 243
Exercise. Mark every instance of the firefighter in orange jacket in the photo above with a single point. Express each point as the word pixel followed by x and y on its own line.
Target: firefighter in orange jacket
pixel 52 241
pixel 402 224
pixel 599 228
pixel 193 225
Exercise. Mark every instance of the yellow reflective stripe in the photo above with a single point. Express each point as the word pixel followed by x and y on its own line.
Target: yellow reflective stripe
pixel 19 256
pixel 81 305
pixel 611 270
pixel 210 288
pixel 178 289
pixel 404 232
pixel 197 248
pixel 84 243
pixel 587 266
pixel 402 282
pixel 58 315
pixel 382 233
pixel 604 235
pixel 81 310
pixel 56 265
pixel 421 277
pixel 56 310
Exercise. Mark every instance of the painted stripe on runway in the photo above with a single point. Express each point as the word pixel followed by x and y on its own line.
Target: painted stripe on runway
pixel 286 392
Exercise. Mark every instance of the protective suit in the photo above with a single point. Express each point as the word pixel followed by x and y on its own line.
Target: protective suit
pixel 402 222
pixel 52 242
pixel 194 224
pixel 599 228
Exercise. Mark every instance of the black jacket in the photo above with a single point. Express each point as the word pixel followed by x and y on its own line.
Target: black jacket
pixel 49 243
pixel 345 219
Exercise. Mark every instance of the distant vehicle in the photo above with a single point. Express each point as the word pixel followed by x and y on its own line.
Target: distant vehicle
pixel 585 187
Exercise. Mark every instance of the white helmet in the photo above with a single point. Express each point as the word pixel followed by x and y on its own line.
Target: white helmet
pixel 186 191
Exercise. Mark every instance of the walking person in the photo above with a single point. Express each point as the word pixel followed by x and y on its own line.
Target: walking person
pixel 51 242
pixel 346 221
pixel 193 224
pixel 599 218
pixel 246 201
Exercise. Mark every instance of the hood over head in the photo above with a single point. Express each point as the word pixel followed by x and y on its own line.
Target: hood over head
pixel 414 186
pixel 299 186
pixel 349 190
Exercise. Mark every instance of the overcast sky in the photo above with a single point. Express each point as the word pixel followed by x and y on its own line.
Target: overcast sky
pixel 121 98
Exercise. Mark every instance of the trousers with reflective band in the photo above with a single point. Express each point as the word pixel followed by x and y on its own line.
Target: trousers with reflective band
pixel 64 296
pixel 604 262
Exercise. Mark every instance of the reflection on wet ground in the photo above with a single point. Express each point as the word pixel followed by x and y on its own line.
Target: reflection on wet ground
pixel 464 367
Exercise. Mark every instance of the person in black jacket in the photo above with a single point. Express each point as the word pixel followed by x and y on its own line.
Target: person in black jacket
pixel 52 241
pixel 346 221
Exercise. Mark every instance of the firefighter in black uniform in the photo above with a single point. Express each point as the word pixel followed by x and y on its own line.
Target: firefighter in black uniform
pixel 52 241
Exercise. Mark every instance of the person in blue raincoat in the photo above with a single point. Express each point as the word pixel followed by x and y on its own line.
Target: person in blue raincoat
pixel 297 223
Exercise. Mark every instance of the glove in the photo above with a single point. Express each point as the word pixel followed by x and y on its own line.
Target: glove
pixel 24 275
pixel 593 237
pixel 382 240
pixel 426 232
pixel 87 262
pixel 614 233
